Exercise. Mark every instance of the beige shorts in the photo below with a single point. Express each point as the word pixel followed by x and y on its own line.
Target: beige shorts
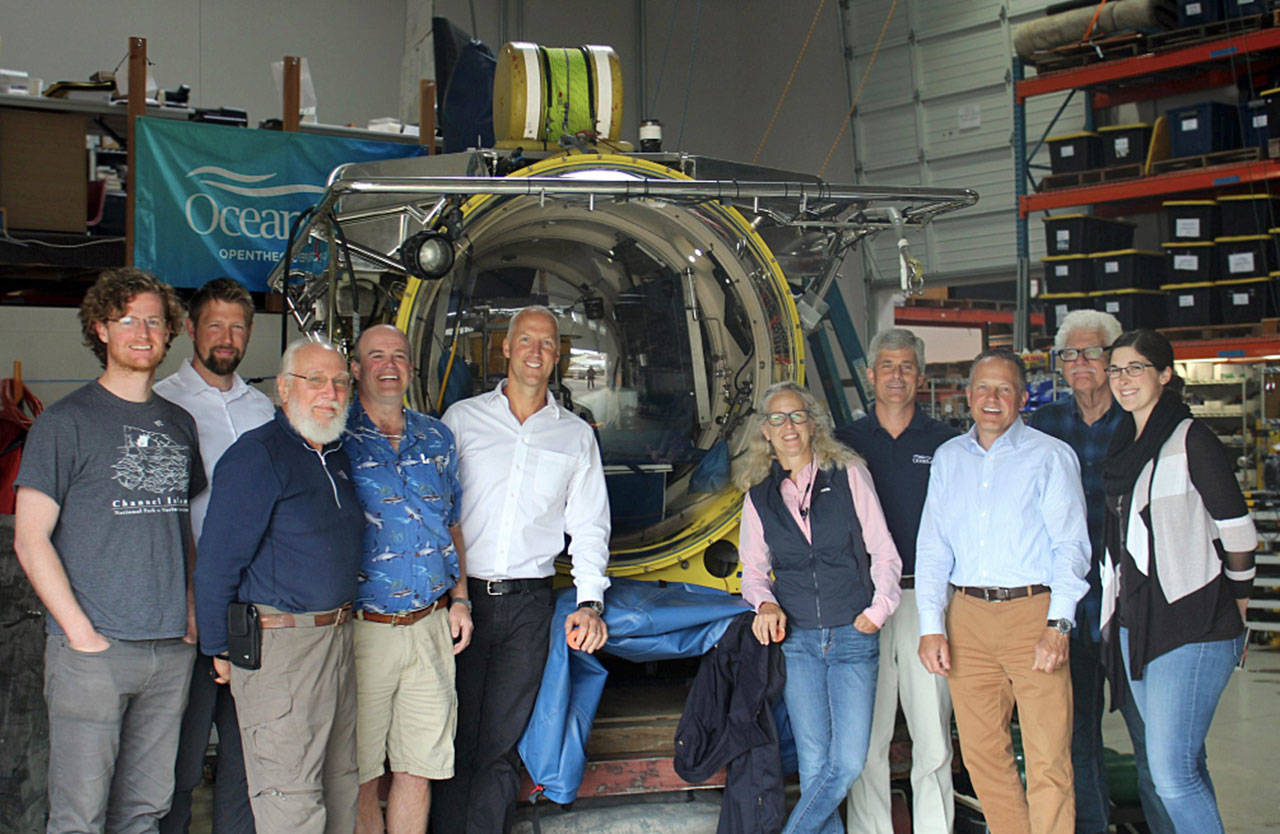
pixel 407 708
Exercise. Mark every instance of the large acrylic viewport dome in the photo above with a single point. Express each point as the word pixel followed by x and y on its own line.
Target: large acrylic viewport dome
pixel 674 315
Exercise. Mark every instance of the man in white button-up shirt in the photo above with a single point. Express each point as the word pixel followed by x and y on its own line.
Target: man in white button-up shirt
pixel 224 407
pixel 530 473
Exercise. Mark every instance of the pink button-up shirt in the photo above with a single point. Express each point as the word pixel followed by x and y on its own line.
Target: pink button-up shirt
pixel 886 566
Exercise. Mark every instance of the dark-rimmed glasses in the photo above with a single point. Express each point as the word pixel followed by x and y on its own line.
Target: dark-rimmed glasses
pixel 1133 369
pixel 798 417
pixel 1093 354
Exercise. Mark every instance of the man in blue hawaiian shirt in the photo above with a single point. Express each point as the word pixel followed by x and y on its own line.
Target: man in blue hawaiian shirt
pixel 412 611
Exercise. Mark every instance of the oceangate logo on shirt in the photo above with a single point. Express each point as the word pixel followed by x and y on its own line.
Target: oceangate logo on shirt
pixel 923 460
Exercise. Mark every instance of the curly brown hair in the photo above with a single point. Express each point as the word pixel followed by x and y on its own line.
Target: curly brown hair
pixel 110 295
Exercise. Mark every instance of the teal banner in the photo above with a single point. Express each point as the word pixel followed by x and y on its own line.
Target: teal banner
pixel 217 201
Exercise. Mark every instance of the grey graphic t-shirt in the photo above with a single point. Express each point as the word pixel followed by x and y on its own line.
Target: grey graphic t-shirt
pixel 122 474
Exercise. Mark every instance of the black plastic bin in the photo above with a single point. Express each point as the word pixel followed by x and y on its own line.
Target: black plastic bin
pixel 1067 274
pixel 1254 119
pixel 1135 308
pixel 1057 305
pixel 1192 262
pixel 1078 234
pixel 1244 256
pixel 1195 12
pixel 1073 152
pixel 1247 214
pixel 1192 219
pixel 1252 299
pixel 1203 128
pixel 1124 144
pixel 1272 98
pixel 1243 8
pixel 1190 305
pixel 1128 269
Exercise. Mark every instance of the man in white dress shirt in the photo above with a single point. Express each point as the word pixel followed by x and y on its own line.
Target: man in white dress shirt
pixel 530 473
pixel 224 407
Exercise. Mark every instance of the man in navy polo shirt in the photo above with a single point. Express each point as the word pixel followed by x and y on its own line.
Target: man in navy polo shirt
pixel 898 443
pixel 1086 421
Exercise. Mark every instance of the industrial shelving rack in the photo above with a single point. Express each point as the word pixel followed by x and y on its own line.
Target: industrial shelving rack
pixel 1213 63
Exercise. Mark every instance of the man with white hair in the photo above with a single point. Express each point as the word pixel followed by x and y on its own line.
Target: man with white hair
pixel 1086 421
pixel 283 535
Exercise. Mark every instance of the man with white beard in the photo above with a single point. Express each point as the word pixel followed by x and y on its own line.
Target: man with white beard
pixel 283 534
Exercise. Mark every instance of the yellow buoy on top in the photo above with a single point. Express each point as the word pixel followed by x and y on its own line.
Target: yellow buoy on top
pixel 541 93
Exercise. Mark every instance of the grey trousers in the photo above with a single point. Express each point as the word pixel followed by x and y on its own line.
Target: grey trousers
pixel 113 733
pixel 298 729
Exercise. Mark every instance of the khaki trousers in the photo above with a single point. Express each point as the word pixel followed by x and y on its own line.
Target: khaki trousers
pixel 992 651
pixel 298 726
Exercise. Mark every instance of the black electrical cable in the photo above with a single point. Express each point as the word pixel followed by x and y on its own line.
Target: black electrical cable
pixel 284 283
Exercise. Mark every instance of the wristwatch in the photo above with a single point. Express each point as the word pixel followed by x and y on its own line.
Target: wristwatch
pixel 463 600
pixel 594 604
pixel 1062 625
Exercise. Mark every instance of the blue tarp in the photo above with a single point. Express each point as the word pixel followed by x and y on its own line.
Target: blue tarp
pixel 646 622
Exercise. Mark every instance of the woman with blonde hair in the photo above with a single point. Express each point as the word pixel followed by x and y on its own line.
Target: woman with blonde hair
pixel 811 517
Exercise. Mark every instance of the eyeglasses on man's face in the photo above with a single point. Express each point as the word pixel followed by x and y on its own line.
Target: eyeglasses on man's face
pixel 1093 354
pixel 342 382
pixel 1133 369
pixel 137 322
pixel 797 417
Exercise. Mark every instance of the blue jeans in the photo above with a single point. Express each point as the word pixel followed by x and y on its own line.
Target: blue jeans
pixel 830 692
pixel 1176 697
pixel 1157 818
pixel 1093 801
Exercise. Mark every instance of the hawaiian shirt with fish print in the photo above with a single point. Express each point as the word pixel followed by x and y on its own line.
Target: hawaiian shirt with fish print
pixel 410 499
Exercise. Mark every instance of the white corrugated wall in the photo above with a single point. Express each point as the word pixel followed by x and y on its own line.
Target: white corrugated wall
pixel 937 110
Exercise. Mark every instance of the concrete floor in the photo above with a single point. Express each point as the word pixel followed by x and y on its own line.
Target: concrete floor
pixel 1243 746
pixel 1244 760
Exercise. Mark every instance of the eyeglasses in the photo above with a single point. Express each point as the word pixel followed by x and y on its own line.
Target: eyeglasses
pixel 1093 354
pixel 798 417
pixel 342 382
pixel 1133 369
pixel 137 322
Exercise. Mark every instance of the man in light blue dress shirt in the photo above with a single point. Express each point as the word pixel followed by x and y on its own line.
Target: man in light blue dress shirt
pixel 1004 526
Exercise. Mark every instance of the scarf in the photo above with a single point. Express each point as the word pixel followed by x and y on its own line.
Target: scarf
pixel 1126 455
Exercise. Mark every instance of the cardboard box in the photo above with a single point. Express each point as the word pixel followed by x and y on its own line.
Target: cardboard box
pixel 44 177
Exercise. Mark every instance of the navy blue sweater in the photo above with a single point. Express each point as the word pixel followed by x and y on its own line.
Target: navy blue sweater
pixel 283 529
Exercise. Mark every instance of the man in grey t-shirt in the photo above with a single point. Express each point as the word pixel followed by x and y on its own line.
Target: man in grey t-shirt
pixel 102 530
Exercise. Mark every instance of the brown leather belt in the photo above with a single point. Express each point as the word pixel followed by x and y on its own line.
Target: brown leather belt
pixel 906 583
pixel 328 618
pixel 1003 594
pixel 403 618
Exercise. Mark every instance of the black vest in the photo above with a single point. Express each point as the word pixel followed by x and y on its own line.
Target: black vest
pixel 827 583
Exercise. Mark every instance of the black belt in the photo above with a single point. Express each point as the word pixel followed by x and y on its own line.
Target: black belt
pixel 1003 594
pixel 502 587
pixel 906 583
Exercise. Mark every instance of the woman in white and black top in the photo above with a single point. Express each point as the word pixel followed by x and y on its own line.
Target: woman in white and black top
pixel 1177 574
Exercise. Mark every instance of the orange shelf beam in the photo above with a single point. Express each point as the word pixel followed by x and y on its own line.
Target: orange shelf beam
pixel 1239 347
pixel 1110 72
pixel 1177 182
pixel 956 316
